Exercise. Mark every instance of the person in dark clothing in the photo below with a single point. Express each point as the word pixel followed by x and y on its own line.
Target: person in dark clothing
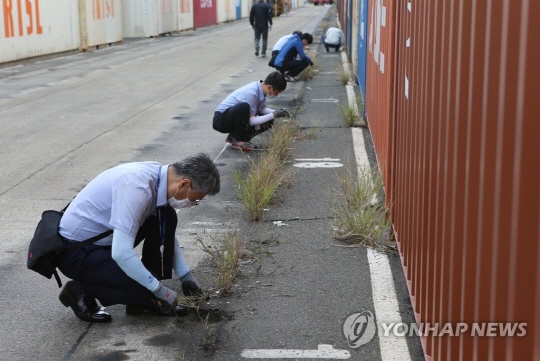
pixel 260 18
pixel 244 114
pixel 286 61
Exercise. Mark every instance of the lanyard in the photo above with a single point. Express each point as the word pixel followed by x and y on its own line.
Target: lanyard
pixel 161 219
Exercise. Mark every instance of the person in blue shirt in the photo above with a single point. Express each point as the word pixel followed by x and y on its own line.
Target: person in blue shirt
pixel 138 202
pixel 244 114
pixel 286 61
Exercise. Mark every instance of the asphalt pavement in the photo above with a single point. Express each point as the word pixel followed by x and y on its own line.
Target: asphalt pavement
pixel 291 300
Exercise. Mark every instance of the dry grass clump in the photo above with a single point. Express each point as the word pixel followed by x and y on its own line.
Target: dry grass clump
pixel 351 113
pixel 257 187
pixel 344 75
pixel 226 258
pixel 308 72
pixel 360 217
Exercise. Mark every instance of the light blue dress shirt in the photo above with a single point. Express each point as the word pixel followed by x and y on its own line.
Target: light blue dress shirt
pixel 251 93
pixel 121 198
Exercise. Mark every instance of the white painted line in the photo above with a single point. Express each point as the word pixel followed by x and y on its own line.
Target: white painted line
pixel 323 352
pixel 386 306
pixel 317 160
pixel 351 96
pixel 329 100
pixel 208 223
pixel 362 160
pixel 318 165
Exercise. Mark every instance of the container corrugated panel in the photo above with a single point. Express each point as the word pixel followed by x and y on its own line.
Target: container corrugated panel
pixel 362 48
pixel 204 13
pixel 34 28
pixel 140 18
pixel 349 27
pixel 340 4
pixel 246 7
pixel 226 10
pixel 354 34
pixel 185 14
pixel 238 9
pixel 167 16
pixel 103 22
pixel 344 18
pixel 466 172
pixel 379 83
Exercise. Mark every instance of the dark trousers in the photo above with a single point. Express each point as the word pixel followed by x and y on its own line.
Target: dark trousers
pixel 293 67
pixel 97 275
pixel 258 33
pixel 327 46
pixel 235 121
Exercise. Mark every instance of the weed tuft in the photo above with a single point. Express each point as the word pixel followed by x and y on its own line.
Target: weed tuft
pixel 308 72
pixel 257 188
pixel 344 76
pixel 360 219
pixel 351 113
pixel 226 259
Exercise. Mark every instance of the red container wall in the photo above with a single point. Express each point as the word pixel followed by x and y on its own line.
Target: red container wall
pixel 379 80
pixel 466 168
pixel 341 13
pixel 204 13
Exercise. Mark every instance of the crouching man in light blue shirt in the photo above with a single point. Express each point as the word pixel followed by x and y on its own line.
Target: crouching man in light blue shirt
pixel 244 114
pixel 137 201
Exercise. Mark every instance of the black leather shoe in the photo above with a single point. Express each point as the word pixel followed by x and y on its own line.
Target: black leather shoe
pixel 84 307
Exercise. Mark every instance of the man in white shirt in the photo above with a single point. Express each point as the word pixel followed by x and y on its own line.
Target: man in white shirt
pixel 137 201
pixel 333 38
pixel 244 114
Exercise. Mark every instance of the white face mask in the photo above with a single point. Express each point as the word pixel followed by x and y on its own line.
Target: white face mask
pixel 183 203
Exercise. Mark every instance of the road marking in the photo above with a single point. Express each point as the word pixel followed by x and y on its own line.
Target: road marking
pixel 323 352
pixel 317 160
pixel 318 165
pixel 329 100
pixel 386 306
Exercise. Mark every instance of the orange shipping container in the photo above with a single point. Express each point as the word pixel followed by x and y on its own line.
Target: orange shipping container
pixel 464 166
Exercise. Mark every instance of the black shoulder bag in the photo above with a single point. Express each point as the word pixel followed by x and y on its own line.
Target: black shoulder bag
pixel 46 245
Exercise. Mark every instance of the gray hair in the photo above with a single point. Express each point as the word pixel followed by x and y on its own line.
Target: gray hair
pixel 202 172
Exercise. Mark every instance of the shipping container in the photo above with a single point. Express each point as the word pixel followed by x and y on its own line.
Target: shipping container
pixel 362 50
pixel 167 16
pixel 226 10
pixel 238 4
pixel 101 22
pixel 149 18
pixel 353 55
pixel 185 15
pixel 35 28
pixel 466 171
pixel 246 8
pixel 204 13
pixel 379 84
